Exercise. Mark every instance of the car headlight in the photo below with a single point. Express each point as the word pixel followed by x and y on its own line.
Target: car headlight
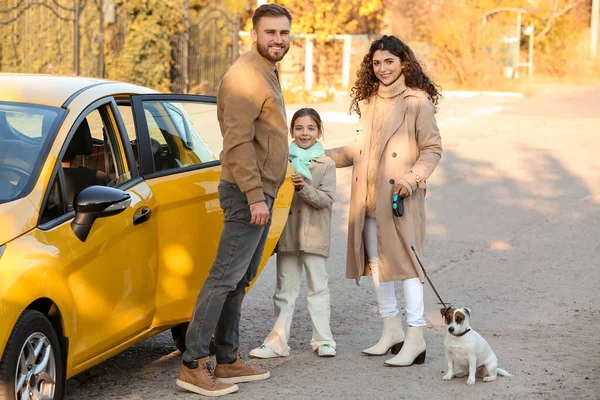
pixel 2 248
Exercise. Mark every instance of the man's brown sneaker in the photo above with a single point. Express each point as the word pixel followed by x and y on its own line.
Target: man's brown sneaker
pixel 198 377
pixel 239 372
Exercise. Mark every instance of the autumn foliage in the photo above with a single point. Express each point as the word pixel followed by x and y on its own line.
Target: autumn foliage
pixel 140 40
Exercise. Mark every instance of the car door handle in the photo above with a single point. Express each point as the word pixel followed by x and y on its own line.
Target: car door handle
pixel 142 217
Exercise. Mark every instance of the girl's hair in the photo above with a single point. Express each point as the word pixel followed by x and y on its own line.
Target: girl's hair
pixel 415 78
pixel 312 113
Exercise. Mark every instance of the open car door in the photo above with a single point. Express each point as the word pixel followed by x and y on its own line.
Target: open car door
pixel 180 142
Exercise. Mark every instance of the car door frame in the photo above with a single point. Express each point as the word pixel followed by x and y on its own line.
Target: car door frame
pixel 57 171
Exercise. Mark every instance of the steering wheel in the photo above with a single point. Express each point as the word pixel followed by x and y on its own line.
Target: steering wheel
pixel 23 175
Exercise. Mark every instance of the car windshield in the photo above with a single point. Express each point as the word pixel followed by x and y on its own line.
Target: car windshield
pixel 26 132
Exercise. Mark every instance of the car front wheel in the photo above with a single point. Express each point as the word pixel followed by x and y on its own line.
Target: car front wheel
pixel 31 366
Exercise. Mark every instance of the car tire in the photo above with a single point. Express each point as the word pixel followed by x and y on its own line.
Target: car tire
pixel 45 372
pixel 178 332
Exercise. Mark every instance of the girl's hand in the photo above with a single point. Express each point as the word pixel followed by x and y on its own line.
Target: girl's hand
pixel 401 190
pixel 298 181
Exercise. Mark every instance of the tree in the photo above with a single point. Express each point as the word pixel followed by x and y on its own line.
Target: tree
pixel 145 58
pixel 36 37
pixel 329 17
pixel 465 51
pixel 559 26
pixel 143 44
pixel 555 9
pixel 463 48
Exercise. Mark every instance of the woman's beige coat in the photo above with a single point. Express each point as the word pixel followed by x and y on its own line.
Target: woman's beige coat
pixel 412 151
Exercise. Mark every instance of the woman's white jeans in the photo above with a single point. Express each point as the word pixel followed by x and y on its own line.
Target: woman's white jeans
pixel 289 276
pixel 386 296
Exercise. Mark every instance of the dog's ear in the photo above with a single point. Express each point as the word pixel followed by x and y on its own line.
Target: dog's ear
pixel 468 311
pixel 444 310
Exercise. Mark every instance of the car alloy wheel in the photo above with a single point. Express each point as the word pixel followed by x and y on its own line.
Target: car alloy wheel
pixel 32 366
pixel 35 377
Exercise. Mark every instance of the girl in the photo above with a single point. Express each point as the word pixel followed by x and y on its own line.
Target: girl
pixel 305 241
pixel 397 148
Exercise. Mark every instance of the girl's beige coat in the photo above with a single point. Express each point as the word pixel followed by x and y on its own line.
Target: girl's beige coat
pixel 308 228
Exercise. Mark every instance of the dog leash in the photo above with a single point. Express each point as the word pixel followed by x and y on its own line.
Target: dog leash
pixel 429 280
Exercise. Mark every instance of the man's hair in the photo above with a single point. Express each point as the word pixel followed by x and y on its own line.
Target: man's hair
pixel 270 10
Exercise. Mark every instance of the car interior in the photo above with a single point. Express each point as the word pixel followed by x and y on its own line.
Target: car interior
pixel 83 163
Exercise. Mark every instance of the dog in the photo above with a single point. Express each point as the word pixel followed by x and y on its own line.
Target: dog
pixel 468 349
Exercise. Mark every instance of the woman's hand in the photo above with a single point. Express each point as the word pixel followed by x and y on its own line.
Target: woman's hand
pixel 401 190
pixel 298 181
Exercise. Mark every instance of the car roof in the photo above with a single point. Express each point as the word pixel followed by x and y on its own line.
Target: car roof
pixel 52 90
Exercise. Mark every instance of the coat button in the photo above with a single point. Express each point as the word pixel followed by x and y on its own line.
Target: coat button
pixel 360 152
pixel 357 179
pixel 392 182
pixel 394 154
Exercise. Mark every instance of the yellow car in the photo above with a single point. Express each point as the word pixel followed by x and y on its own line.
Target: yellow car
pixel 109 222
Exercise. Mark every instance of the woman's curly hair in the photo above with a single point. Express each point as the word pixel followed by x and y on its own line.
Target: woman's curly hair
pixel 415 78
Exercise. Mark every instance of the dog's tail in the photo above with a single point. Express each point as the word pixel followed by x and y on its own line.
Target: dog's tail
pixel 502 372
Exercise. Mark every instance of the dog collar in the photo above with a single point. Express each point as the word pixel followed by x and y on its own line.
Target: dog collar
pixel 462 334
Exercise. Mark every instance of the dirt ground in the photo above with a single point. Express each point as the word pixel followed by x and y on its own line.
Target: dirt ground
pixel 513 233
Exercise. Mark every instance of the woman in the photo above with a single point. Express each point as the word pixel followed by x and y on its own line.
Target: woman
pixel 397 147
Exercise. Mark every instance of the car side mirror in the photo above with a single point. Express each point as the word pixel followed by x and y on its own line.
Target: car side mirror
pixel 96 202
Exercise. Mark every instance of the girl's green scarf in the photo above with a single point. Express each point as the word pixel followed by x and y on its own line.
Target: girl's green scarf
pixel 301 158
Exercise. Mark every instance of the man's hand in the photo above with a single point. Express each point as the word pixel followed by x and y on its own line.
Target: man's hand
pixel 260 213
pixel 298 181
pixel 401 190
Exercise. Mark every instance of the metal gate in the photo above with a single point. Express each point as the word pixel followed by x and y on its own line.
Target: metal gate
pixel 67 37
pixel 51 37
pixel 207 48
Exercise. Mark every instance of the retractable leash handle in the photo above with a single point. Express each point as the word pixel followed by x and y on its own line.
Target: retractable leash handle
pixel 397 205
pixel 429 280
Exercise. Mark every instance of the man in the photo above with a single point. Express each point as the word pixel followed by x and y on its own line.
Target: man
pixel 254 161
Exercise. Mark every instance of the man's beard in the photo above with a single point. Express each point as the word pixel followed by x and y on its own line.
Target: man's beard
pixel 264 51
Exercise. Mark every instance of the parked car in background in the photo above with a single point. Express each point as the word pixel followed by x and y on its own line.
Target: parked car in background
pixel 109 222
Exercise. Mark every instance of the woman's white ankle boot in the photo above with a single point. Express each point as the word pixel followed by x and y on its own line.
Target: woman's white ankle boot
pixel 413 351
pixel 392 338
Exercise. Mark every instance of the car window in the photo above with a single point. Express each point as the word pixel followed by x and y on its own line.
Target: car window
pixel 26 124
pixel 126 114
pixel 202 120
pixel 97 127
pixel 179 143
pixel 155 132
pixel 127 117
pixel 156 137
pixel 26 133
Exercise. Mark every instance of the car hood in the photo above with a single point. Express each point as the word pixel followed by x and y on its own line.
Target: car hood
pixel 16 218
